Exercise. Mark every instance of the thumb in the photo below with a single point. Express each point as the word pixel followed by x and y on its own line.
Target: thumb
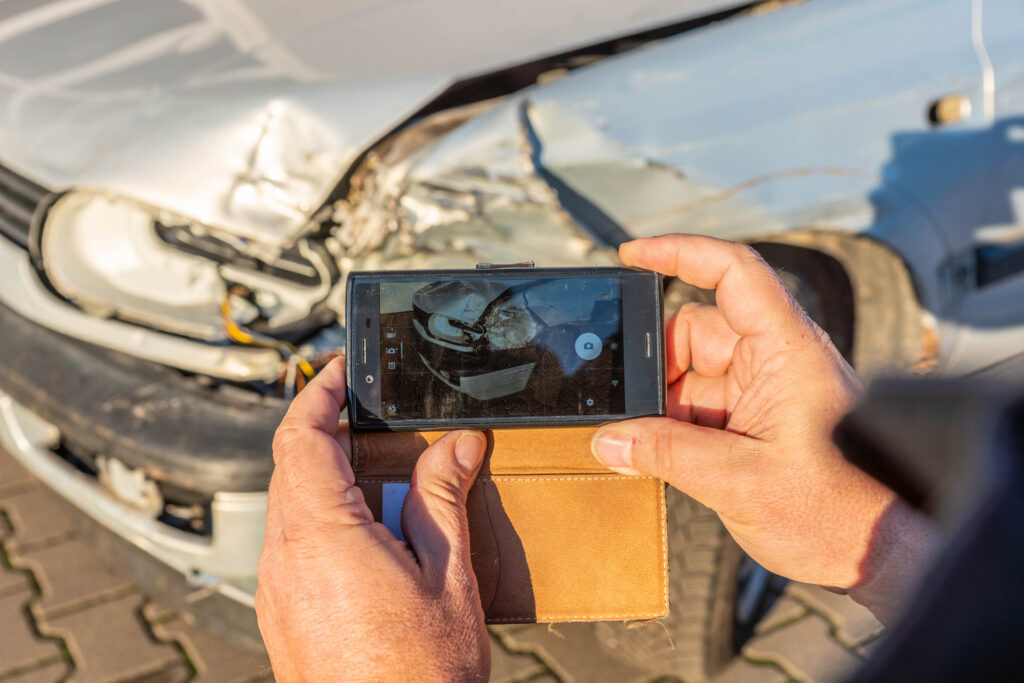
pixel 434 514
pixel 694 459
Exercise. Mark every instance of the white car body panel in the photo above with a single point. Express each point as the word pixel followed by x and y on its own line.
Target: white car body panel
pixel 245 115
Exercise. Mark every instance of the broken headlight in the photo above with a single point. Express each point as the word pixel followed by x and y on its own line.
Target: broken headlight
pixel 116 257
pixel 510 324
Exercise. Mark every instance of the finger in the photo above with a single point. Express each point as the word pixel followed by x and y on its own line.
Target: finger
pixel 312 476
pixel 696 460
pixel 698 336
pixel 699 400
pixel 344 439
pixel 319 405
pixel 316 487
pixel 750 295
pixel 434 515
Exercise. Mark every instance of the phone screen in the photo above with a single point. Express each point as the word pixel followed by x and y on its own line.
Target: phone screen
pixel 434 349
pixel 501 347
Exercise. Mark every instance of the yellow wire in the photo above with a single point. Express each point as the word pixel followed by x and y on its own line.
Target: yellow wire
pixel 243 336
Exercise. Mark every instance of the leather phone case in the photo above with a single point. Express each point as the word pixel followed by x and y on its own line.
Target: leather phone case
pixel 554 535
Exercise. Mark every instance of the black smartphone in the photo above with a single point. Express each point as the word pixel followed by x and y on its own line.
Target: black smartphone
pixel 496 348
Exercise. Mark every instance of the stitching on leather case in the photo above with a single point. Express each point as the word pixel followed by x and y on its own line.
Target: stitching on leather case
pixel 541 618
pixel 502 477
pixel 664 549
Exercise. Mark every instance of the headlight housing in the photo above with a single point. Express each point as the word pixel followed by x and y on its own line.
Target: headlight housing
pixel 117 257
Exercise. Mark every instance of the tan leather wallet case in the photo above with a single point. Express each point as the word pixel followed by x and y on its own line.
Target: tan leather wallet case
pixel 554 535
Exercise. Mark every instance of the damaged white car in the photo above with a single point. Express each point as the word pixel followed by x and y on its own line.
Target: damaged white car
pixel 184 185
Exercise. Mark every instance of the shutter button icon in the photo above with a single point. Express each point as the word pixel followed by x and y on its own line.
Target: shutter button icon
pixel 588 346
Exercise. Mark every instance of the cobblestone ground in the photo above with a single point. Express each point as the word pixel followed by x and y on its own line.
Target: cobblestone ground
pixel 65 615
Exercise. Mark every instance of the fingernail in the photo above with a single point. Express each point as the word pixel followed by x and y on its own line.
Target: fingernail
pixel 615 451
pixel 469 450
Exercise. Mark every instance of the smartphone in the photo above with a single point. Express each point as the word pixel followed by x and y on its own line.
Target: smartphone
pixel 509 347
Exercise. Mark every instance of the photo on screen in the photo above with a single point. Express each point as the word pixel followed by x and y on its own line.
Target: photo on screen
pixel 501 347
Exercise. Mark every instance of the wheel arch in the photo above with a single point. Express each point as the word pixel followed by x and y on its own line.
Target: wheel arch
pixel 891 328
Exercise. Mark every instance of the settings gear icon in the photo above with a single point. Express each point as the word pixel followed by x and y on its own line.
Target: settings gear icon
pixel 590 402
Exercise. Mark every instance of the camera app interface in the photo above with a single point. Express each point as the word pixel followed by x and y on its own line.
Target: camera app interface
pixel 501 347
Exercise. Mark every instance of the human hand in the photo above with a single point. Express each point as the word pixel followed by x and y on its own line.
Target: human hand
pixel 755 391
pixel 339 597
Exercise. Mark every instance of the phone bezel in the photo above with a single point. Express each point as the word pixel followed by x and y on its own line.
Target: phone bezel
pixel 642 302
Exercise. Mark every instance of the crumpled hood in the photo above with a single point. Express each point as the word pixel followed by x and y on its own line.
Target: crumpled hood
pixel 244 115
pixel 457 300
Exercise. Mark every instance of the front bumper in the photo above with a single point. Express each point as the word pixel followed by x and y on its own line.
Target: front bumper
pixel 224 561
pixel 202 439
pixel 213 444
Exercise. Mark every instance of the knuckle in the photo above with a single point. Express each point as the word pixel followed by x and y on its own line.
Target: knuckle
pixel 445 490
pixel 350 509
pixel 693 310
pixel 654 449
pixel 823 338
pixel 665 454
pixel 264 571
pixel 286 436
pixel 745 252
pixel 301 539
pixel 352 496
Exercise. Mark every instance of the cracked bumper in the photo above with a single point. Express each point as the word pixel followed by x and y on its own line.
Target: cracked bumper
pixel 213 443
pixel 196 438
pixel 225 561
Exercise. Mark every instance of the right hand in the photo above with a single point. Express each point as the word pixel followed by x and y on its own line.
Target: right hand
pixel 755 391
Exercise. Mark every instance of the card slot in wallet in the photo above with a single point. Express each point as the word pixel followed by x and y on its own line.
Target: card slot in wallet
pixel 554 546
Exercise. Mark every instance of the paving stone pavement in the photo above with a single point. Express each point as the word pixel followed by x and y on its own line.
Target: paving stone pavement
pixel 809 634
pixel 66 616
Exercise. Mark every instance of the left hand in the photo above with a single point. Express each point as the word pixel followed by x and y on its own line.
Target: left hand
pixel 339 596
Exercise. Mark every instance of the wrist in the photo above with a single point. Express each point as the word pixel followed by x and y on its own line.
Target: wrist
pixel 901 547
